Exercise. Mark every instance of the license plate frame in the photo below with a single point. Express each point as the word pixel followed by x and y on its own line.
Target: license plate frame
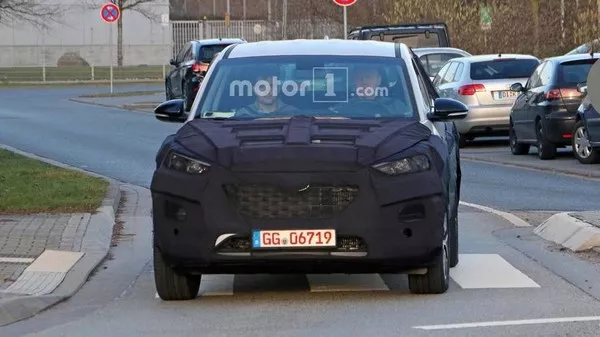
pixel 504 95
pixel 294 238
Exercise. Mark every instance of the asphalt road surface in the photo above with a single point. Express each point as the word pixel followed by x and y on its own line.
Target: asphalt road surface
pixel 496 290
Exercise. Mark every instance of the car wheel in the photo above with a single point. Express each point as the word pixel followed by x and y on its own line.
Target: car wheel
pixel 515 147
pixel 437 278
pixel 546 150
pixel 582 149
pixel 172 286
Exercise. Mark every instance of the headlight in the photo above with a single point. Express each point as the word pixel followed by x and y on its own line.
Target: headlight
pixel 405 165
pixel 185 164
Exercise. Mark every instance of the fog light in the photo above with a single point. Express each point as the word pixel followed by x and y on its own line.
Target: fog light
pixel 181 214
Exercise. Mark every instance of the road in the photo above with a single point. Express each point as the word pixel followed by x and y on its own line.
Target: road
pixel 120 298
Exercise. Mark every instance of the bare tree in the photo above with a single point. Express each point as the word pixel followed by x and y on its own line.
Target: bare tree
pixel 124 6
pixel 35 12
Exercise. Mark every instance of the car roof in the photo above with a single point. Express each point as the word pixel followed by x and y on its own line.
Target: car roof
pixel 489 57
pixel 316 47
pixel 427 50
pixel 219 41
pixel 572 57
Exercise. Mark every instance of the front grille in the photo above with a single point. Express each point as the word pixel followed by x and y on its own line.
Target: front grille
pixel 269 202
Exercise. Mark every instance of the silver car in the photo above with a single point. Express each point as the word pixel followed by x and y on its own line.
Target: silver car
pixel 483 84
pixel 434 58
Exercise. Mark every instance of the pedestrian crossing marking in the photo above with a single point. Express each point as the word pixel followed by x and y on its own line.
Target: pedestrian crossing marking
pixel 485 271
pixel 474 271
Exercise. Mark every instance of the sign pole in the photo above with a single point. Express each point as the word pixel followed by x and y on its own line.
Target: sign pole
pixel 110 47
pixel 345 23
pixel 110 13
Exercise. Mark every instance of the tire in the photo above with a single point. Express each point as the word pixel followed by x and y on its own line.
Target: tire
pixel 582 150
pixel 171 286
pixel 437 278
pixel 515 147
pixel 546 150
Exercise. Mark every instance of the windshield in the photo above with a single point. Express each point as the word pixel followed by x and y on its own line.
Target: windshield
pixel 434 62
pixel 208 52
pixel 321 86
pixel 503 68
pixel 413 39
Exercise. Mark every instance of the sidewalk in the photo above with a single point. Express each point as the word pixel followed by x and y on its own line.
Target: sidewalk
pixel 46 258
pixel 143 103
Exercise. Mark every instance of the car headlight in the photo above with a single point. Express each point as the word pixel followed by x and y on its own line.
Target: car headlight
pixel 185 164
pixel 412 164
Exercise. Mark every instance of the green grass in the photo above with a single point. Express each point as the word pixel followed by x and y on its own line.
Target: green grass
pixel 80 73
pixel 31 186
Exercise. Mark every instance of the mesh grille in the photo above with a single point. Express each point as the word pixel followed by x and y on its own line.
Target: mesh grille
pixel 269 202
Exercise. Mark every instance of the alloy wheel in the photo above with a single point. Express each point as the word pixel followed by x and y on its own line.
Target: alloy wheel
pixel 582 143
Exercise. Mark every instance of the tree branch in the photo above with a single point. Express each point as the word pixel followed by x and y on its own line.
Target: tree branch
pixel 33 12
pixel 137 5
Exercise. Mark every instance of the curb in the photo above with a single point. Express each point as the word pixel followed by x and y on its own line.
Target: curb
pixel 569 232
pixel 120 107
pixel 95 246
pixel 593 175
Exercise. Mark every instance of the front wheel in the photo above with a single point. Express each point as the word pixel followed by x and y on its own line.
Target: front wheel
pixel 582 149
pixel 172 286
pixel 437 278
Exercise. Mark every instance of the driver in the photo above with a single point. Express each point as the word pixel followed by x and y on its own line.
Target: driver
pixel 368 81
pixel 266 89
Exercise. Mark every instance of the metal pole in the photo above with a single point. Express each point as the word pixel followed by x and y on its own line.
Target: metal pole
pixel 214 8
pixel 244 19
pixel 110 47
pixel 228 14
pixel 345 23
pixel 284 19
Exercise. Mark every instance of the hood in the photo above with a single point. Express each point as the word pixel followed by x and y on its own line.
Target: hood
pixel 297 142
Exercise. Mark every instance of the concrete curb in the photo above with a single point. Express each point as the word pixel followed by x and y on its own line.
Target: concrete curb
pixel 577 173
pixel 570 232
pixel 120 107
pixel 95 246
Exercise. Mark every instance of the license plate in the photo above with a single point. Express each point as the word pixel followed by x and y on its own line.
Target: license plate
pixel 501 95
pixel 294 238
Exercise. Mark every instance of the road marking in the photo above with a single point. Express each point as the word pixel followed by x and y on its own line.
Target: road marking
pixel 343 282
pixel 16 260
pixel 515 220
pixel 479 271
pixel 505 323
pixel 217 285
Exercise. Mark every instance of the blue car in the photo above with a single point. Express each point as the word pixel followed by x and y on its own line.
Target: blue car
pixel 586 132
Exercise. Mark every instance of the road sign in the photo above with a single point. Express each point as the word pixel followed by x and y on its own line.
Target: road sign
pixel 110 13
pixel 485 17
pixel 344 3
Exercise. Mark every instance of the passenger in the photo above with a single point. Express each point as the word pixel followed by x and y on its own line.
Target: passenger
pixel 265 103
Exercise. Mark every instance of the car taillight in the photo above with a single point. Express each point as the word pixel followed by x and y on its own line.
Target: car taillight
pixel 470 89
pixel 565 93
pixel 198 67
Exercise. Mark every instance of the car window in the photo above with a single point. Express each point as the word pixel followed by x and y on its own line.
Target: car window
pixel 434 62
pixel 327 86
pixel 574 72
pixel 459 71
pixel 442 72
pixel 503 68
pixel 546 74
pixel 534 79
pixel 412 40
pixel 449 75
pixel 207 52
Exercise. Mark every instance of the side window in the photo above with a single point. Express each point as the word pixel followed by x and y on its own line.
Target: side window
pixel 546 75
pixel 449 75
pixel 534 80
pixel 459 71
pixel 438 77
pixel 181 56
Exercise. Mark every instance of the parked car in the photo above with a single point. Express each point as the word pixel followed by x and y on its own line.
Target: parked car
pixel 545 112
pixel 190 66
pixel 434 59
pixel 483 83
pixel 586 133
pixel 414 35
pixel 219 206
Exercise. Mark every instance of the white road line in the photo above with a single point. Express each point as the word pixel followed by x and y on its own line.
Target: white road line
pixel 217 285
pixel 515 220
pixel 16 260
pixel 479 271
pixel 505 323
pixel 343 282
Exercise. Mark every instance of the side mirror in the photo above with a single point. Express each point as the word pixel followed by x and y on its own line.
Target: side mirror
pixel 171 111
pixel 582 87
pixel 447 109
pixel 517 87
pixel 173 62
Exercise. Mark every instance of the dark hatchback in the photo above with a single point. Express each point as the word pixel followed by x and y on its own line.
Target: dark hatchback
pixel 545 112
pixel 189 67
pixel 414 35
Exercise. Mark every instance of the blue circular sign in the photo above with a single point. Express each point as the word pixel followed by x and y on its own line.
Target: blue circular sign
pixel 110 13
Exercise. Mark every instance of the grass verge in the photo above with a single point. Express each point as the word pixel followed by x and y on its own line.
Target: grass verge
pixel 31 186
pixel 123 94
